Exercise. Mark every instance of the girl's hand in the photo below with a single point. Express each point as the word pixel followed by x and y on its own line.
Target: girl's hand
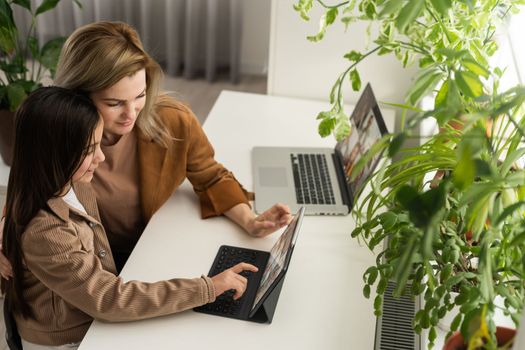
pixel 231 279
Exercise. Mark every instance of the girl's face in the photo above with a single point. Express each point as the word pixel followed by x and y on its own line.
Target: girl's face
pixel 94 157
pixel 120 105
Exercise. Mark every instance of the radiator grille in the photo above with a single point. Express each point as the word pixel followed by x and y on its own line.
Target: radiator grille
pixel 394 328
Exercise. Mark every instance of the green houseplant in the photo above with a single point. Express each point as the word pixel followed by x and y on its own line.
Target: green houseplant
pixel 24 62
pixel 457 238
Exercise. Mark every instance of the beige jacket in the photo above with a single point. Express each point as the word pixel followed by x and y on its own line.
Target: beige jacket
pixel 70 278
pixel 190 155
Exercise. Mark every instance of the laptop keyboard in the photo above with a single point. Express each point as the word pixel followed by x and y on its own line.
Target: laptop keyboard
pixel 311 178
pixel 228 257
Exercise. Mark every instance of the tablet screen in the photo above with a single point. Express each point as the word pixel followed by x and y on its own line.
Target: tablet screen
pixel 279 258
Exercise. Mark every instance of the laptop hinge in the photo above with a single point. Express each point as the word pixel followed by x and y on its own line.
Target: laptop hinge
pixel 339 171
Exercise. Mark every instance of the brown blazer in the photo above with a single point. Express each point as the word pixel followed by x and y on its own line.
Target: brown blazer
pixel 190 154
pixel 70 278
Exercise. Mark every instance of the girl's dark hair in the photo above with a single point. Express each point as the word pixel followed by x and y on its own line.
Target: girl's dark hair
pixel 53 128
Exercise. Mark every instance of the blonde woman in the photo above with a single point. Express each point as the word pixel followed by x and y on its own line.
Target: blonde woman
pixel 152 143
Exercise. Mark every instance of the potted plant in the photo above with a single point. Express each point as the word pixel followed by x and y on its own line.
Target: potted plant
pixel 24 62
pixel 446 216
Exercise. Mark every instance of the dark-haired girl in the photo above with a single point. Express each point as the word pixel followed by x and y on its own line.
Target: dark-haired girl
pixel 64 274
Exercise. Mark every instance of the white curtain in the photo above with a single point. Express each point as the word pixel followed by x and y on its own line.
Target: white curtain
pixel 193 38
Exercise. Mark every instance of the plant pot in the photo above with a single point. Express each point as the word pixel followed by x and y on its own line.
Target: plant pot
pixel 7 135
pixel 456 341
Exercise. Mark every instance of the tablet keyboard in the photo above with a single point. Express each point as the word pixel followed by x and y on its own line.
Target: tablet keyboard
pixel 226 258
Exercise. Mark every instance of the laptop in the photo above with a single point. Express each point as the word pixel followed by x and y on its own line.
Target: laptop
pixel 320 179
pixel 259 301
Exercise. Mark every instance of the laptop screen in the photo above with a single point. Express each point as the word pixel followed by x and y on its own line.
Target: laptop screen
pixel 279 258
pixel 367 127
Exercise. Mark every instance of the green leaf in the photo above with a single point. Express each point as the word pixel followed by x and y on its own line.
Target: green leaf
pixel 465 170
pixel 8 31
pixel 381 286
pixel 511 209
pixel 423 85
pixel 408 14
pixel 446 272
pixel 46 5
pixel 510 159
pixel 485 267
pixel 442 6
pixel 518 240
pixel 303 7
pixel 370 10
pixel 12 69
pixel 396 144
pixel 451 53
pixel 456 321
pixel 342 126
pixel 441 96
pixel 390 7
pixel 404 268
pixel 32 44
pixel 354 56
pixel 15 94
pixel 483 168
pixel 378 303
pixel 327 19
pixel 7 41
pixel 476 193
pixel 334 91
pixel 425 61
pixel 469 84
pixel 515 179
pixel 475 67
pixel 453 97
pixel 6 15
pixel 383 51
pixel 406 195
pixel 24 3
pixel 372 277
pixel 388 219
pixel 355 79
pixel 326 126
pixel 50 53
pixel 475 139
pixel 478 217
pixel 366 291
pixel 331 15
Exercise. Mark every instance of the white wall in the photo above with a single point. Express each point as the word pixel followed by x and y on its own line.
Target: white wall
pixel 301 68
pixel 255 36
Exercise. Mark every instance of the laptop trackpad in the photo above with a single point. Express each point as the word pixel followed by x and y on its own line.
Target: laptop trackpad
pixel 272 177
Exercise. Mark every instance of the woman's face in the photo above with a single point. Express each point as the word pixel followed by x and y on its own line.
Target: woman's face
pixel 120 105
pixel 94 156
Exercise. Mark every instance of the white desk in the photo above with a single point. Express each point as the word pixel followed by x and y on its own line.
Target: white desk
pixel 321 304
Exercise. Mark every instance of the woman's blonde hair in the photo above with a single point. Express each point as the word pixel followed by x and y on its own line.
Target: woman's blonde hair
pixel 98 55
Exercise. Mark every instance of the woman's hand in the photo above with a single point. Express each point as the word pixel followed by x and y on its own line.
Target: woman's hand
pixel 263 225
pixel 231 279
pixel 269 221
pixel 6 269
